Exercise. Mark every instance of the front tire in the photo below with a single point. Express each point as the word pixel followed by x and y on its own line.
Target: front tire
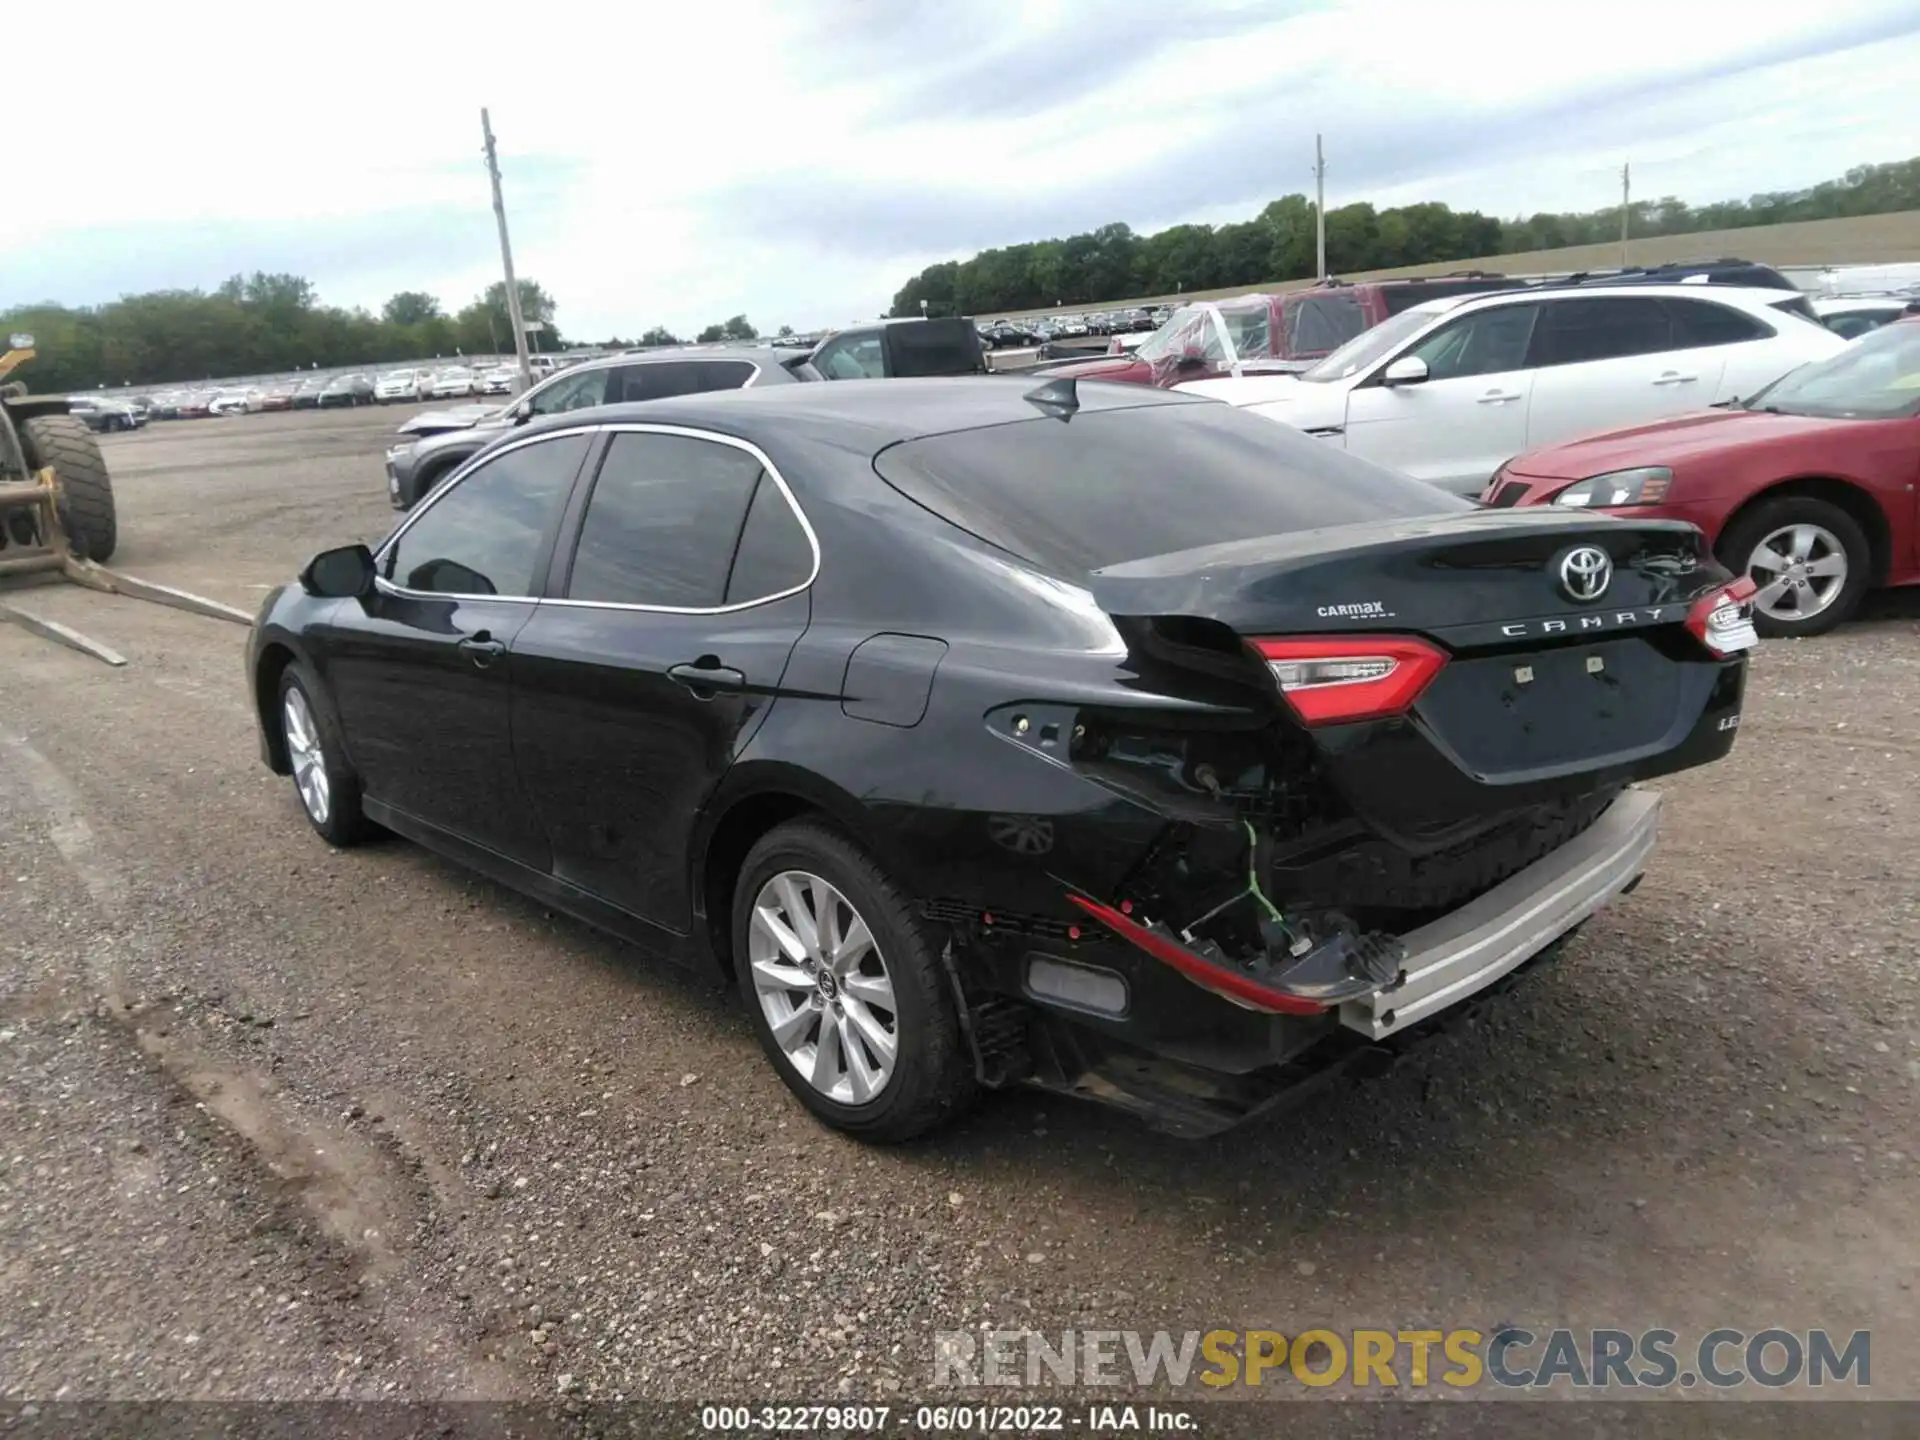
pixel 328 790
pixel 1809 558
pixel 86 491
pixel 845 987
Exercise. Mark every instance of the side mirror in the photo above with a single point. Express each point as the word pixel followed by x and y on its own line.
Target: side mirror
pixel 1407 370
pixel 339 574
pixel 521 413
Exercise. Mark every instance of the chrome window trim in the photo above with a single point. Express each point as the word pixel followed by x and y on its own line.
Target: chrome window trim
pixel 439 493
pixel 627 428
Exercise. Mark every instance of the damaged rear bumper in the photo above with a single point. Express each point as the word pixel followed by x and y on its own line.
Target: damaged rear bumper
pixel 1468 949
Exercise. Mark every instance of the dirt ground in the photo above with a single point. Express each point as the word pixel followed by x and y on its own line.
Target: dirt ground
pixel 282 1122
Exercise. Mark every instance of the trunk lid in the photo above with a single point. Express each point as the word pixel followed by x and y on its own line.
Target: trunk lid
pixel 1555 673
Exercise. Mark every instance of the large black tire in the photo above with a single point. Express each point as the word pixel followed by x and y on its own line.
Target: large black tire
pixel 65 443
pixel 932 1079
pixel 1740 545
pixel 340 820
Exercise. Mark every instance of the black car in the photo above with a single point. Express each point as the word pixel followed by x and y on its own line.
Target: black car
pixel 1098 737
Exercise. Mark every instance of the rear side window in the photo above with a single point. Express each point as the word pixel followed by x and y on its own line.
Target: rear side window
pixel 1574 332
pixel 1323 324
pixel 663 379
pixel 774 554
pixel 662 522
pixel 1121 485
pixel 1701 322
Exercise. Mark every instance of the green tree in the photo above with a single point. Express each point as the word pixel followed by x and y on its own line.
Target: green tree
pixel 712 335
pixel 737 328
pixel 410 307
pixel 659 335
pixel 783 332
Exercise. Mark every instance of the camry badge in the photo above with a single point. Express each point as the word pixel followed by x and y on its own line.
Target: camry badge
pixel 1585 573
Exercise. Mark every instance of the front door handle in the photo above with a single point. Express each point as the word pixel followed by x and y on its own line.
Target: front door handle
pixel 1499 397
pixel 706 680
pixel 1674 377
pixel 482 649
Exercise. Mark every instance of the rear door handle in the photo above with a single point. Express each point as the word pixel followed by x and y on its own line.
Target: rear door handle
pixel 1499 397
pixel 482 649
pixel 1674 377
pixel 706 680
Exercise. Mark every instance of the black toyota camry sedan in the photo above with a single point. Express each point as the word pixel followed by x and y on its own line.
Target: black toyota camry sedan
pixel 1089 736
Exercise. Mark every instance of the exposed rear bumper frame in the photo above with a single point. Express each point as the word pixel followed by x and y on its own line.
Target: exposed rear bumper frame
pixel 1468 949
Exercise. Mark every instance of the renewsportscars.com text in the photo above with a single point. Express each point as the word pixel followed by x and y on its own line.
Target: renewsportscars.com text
pixel 1512 1357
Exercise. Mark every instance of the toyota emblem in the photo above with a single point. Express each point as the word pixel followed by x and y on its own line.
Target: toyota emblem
pixel 1585 573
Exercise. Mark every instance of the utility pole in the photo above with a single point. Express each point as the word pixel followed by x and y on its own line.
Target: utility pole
pixel 1626 210
pixel 506 257
pixel 1319 209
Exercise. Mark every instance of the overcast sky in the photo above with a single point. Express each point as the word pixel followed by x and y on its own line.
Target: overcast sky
pixel 798 160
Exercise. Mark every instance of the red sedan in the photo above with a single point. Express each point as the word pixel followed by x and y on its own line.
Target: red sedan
pixel 1808 486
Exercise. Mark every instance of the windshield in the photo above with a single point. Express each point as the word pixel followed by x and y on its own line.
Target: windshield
pixel 1877 377
pixel 1368 346
pixel 1180 328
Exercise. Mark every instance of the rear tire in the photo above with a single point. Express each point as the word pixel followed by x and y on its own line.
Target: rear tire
pixel 323 781
pixel 888 1000
pixel 1770 540
pixel 86 492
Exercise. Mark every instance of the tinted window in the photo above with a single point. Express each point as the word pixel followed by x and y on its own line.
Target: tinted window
pixel 934 347
pixel 858 357
pixel 1572 332
pixel 1323 324
pixel 1121 485
pixel 578 391
pixel 661 379
pixel 1701 322
pixel 1849 324
pixel 1487 342
pixel 487 535
pixel 774 555
pixel 661 524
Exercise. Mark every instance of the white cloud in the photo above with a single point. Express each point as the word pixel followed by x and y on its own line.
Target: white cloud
pixel 679 163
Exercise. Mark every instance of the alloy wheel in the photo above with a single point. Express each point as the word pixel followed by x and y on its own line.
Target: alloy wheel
pixel 303 749
pixel 823 986
pixel 1800 570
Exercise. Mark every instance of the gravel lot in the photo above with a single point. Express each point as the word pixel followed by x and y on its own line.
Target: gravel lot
pixel 280 1122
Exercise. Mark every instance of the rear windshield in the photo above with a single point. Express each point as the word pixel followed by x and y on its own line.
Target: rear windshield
pixel 1111 486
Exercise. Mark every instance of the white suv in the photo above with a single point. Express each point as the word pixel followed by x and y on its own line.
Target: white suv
pixel 1450 390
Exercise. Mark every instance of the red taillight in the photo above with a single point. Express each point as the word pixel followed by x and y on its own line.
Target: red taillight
pixel 1723 621
pixel 1333 679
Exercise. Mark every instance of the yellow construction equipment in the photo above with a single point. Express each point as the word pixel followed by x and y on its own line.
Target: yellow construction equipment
pixel 57 517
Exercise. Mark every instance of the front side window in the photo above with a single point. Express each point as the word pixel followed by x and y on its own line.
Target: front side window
pixel 662 522
pixel 1614 327
pixel 579 391
pixel 1487 342
pixel 487 534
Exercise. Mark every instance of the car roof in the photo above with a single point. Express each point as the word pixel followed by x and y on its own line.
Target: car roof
pixel 1751 294
pixel 863 413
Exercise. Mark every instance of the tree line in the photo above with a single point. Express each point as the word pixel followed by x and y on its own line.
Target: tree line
pixel 1112 262
pixel 259 324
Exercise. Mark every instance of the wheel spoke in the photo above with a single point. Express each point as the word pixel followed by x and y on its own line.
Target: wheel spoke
pixel 790 1032
pixel 826 1057
pixel 862 1078
pixel 770 976
pixel 873 989
pixel 799 913
pixel 1826 565
pixel 869 1029
pixel 1767 558
pixel 855 945
pixel 767 921
pixel 1802 543
pixel 1771 595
